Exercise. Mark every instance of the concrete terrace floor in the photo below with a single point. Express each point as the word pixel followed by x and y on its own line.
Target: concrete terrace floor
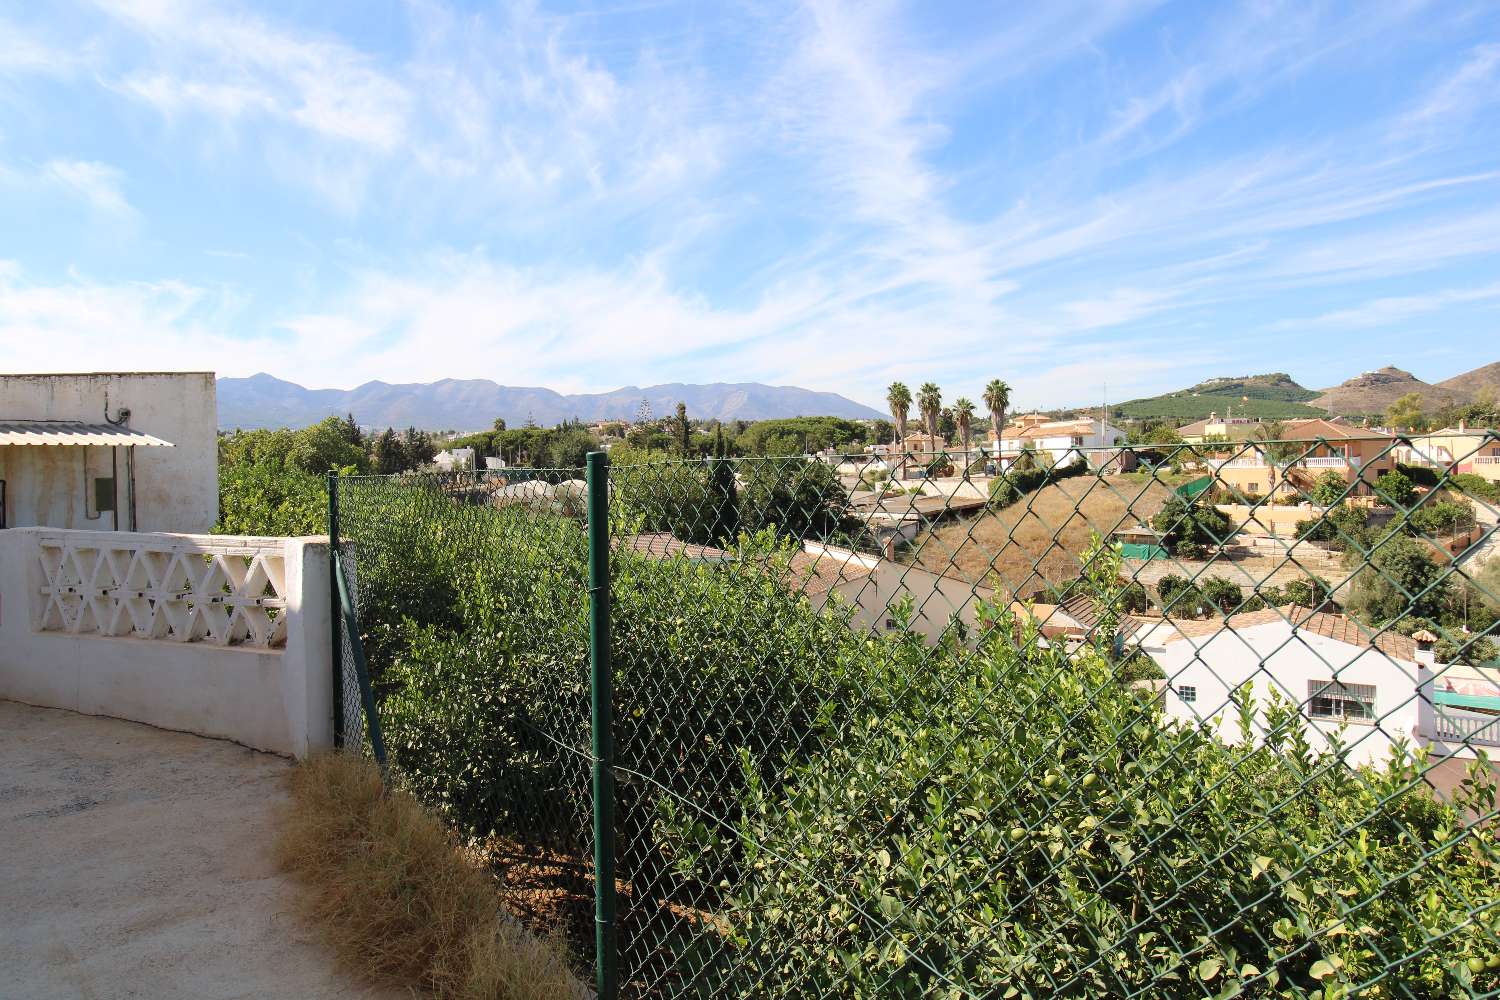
pixel 137 863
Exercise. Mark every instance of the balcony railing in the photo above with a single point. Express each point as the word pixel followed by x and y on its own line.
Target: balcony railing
pixel 1331 462
pixel 1487 459
pixel 1473 728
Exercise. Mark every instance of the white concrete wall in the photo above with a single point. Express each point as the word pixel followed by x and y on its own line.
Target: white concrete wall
pixel 276 697
pixel 176 489
pixel 1271 656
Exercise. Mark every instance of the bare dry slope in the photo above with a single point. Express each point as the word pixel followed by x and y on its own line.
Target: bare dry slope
pixel 1373 392
pixel 1040 539
pixel 1472 383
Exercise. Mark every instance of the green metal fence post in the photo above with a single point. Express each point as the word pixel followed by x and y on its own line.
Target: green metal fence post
pixel 335 620
pixel 602 689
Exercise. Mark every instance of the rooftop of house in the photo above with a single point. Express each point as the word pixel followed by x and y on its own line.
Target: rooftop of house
pixel 810 574
pixel 1327 624
pixel 1317 427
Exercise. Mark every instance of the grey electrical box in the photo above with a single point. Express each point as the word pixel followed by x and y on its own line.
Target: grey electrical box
pixel 104 494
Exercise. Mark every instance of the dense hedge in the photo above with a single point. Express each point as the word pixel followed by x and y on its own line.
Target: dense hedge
pixel 881 817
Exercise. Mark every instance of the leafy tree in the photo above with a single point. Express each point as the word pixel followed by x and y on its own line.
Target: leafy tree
pixel 388 455
pixel 724 496
pixel 684 441
pixel 419 448
pixel 267 499
pixel 1191 523
pixel 1406 411
pixel 1400 579
pixel 1329 488
pixel 324 446
pixel 1396 488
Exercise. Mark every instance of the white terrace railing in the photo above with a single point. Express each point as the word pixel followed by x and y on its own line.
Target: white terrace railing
pixel 1472 727
pixel 227 591
pixel 1487 459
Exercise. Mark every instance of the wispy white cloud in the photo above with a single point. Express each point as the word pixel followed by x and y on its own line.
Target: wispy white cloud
pixel 1393 309
pixel 1468 89
pixel 98 184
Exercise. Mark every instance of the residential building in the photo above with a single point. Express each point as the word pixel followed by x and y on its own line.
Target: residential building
pixel 1455 449
pixel 116 451
pixel 455 460
pixel 1216 428
pixel 1057 441
pixel 1312 447
pixel 1364 690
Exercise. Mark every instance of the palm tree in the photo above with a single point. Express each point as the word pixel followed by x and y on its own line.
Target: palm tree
pixel 963 409
pixel 930 404
pixel 997 399
pixel 898 396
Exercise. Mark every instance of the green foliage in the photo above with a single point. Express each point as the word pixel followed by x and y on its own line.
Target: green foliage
pixel 1401 578
pixel 1474 485
pixel 1441 518
pixel 1420 475
pixel 1395 489
pixel 1329 489
pixel 892 863
pixel 816 811
pixel 1222 593
pixel 264 499
pixel 327 445
pixel 1193 523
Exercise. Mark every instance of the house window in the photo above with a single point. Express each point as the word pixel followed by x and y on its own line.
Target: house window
pixel 890 623
pixel 1187 692
pixel 1253 488
pixel 1335 700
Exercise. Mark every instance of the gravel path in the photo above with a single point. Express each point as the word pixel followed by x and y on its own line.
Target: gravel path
pixel 137 863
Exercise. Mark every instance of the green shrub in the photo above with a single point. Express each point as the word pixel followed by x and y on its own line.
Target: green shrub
pixel 1087 854
pixel 1475 485
pixel 1441 517
pixel 268 500
pixel 1223 594
pixel 1329 489
pixel 1395 489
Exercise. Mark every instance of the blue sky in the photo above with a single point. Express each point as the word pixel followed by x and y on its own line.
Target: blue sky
pixel 832 195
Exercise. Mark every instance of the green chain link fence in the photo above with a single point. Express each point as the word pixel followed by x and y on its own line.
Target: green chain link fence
pixel 818 727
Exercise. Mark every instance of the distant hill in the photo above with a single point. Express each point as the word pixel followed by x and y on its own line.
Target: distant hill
pixel 1372 392
pixel 1471 384
pixel 1273 396
pixel 473 404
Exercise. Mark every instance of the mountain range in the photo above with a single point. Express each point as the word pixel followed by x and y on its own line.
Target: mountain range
pixel 473 404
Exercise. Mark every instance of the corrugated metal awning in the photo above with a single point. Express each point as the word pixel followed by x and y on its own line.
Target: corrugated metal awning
pixel 74 432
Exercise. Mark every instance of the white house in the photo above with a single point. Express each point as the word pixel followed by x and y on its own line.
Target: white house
pixel 458 458
pixel 1370 689
pixel 122 451
pixel 1060 441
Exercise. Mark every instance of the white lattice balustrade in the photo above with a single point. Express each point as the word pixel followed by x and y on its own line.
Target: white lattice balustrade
pixel 184 588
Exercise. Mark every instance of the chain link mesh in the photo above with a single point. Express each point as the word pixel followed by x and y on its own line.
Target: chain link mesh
pixel 1201 720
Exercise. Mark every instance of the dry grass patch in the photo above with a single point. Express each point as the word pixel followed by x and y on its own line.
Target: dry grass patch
pixel 1037 541
pixel 398 898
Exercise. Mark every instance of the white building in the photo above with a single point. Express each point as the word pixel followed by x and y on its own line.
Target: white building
pixel 1370 689
pixel 458 458
pixel 1059 441
pixel 109 451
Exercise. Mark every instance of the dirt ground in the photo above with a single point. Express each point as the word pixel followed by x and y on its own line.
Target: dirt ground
pixel 1039 539
pixel 137 863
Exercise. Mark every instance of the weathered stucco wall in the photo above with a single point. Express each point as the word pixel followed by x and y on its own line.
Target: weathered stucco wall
pixel 277 698
pixel 176 489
